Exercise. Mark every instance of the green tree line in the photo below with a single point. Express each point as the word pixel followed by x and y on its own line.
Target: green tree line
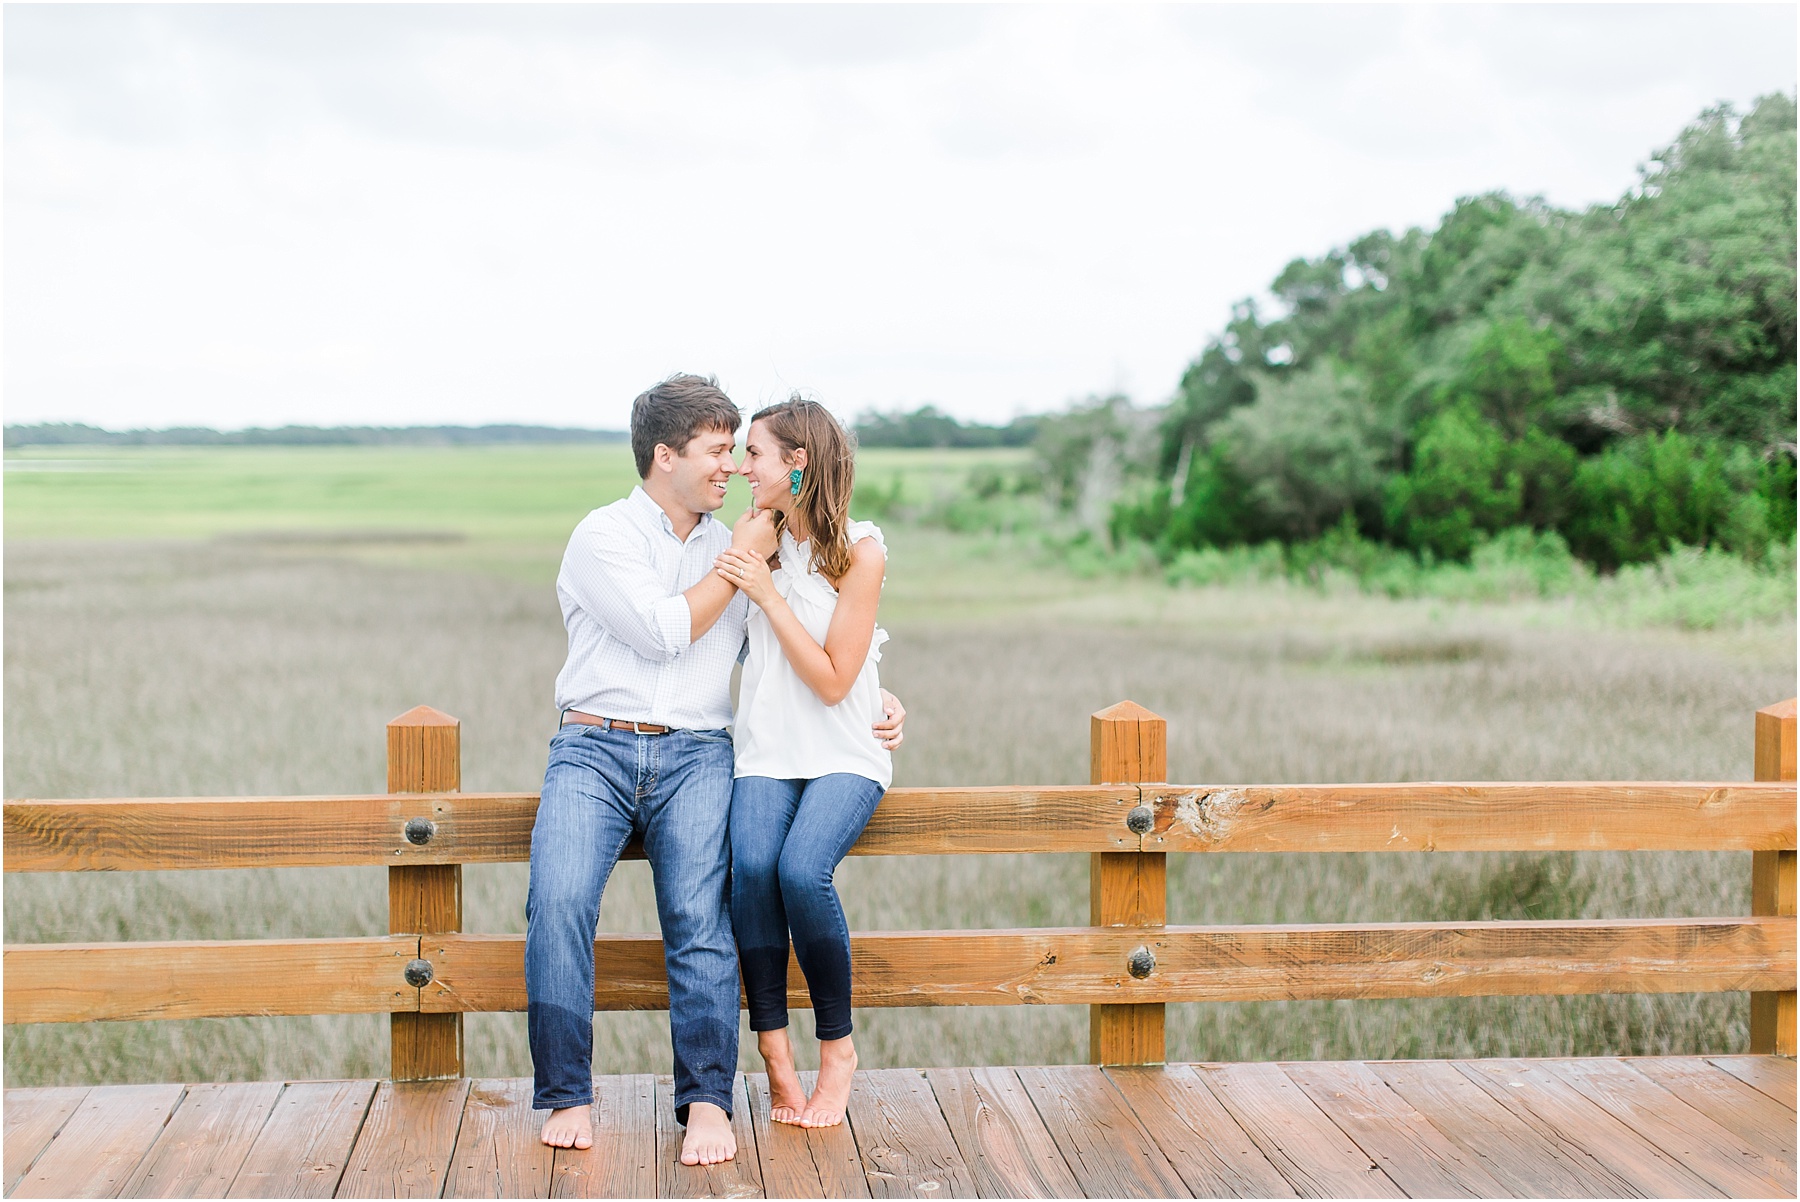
pixel 1622 377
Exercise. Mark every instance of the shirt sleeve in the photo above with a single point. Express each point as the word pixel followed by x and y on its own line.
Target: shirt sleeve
pixel 611 577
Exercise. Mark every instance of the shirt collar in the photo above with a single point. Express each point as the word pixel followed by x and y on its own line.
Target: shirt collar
pixel 642 501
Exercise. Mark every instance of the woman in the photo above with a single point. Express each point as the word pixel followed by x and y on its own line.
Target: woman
pixel 809 773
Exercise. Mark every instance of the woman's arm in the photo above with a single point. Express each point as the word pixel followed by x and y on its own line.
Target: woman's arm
pixel 831 670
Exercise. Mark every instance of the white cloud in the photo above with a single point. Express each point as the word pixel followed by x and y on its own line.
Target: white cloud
pixel 243 215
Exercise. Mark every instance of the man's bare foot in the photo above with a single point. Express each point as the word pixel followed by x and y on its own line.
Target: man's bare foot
pixel 569 1128
pixel 787 1098
pixel 709 1138
pixel 831 1093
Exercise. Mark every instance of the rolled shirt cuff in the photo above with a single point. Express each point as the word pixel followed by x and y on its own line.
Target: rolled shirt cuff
pixel 675 622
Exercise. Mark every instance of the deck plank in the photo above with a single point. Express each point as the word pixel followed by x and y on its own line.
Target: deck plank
pixel 798 1162
pixel 498 1153
pixel 903 1139
pixel 1774 1075
pixel 622 1162
pixel 303 1148
pixel 406 1141
pixel 740 1177
pixel 1003 1140
pixel 33 1117
pixel 1105 1146
pixel 1708 1150
pixel 1528 1087
pixel 1304 1145
pixel 1516 1150
pixel 1214 1156
pixel 1415 1154
pixel 1724 1099
pixel 102 1142
pixel 205 1142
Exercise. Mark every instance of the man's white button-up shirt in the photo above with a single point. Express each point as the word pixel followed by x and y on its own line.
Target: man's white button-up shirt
pixel 630 655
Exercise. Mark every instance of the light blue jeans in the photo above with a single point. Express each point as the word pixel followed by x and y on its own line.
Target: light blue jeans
pixel 787 838
pixel 600 788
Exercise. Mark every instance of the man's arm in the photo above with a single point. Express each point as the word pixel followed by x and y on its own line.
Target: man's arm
pixel 611 577
pixel 753 532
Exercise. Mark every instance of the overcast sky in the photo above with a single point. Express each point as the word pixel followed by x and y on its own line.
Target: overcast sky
pixel 253 215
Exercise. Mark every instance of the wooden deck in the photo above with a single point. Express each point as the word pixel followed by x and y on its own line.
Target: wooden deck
pixel 1721 1126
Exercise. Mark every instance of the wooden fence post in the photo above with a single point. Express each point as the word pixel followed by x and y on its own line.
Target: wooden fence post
pixel 1129 744
pixel 425 756
pixel 1772 880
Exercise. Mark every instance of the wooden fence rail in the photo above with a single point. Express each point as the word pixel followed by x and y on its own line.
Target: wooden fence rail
pixel 1126 966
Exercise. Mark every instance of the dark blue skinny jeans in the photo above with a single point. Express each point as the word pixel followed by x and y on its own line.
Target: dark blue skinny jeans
pixel 787 837
pixel 600 788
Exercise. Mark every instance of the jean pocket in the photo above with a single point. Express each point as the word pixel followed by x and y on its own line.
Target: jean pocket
pixel 711 736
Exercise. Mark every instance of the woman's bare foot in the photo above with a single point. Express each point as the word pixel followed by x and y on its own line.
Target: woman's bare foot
pixel 569 1128
pixel 709 1139
pixel 786 1096
pixel 831 1093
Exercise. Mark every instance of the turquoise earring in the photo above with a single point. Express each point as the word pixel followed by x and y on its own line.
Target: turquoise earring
pixel 794 480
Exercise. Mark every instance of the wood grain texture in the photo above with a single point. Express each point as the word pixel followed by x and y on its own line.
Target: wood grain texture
pixel 1774 732
pixel 33 1117
pixel 1306 1147
pixel 1002 1138
pixel 125 834
pixel 303 1148
pixel 622 1162
pixel 101 1143
pixel 1431 816
pixel 204 1144
pixel 905 1143
pixel 1721 1097
pixel 740 1177
pixel 1418 1157
pixel 1528 1087
pixel 798 1162
pixel 1213 1155
pixel 407 1137
pixel 1773 1075
pixel 1105 1146
pixel 425 756
pixel 88 982
pixel 1710 1151
pixel 1772 882
pixel 1062 965
pixel 1127 744
pixel 1517 1151
pixel 498 1153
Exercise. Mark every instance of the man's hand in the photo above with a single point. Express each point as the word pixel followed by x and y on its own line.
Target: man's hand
pixel 889 731
pixel 754 531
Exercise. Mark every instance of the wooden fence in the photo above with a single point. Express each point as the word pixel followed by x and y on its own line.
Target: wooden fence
pixel 1125 965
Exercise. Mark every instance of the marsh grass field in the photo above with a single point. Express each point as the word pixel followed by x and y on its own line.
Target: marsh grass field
pixel 244 621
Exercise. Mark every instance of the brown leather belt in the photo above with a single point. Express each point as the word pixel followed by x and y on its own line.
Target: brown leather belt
pixel 640 728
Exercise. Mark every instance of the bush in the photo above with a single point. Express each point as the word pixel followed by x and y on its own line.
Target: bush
pixel 1228 565
pixel 1700 588
pixel 1637 500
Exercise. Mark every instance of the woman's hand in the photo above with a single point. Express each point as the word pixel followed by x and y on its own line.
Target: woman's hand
pixel 754 531
pixel 750 572
pixel 891 729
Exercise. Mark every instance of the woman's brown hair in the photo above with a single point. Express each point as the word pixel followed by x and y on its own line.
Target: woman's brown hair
pixel 827 481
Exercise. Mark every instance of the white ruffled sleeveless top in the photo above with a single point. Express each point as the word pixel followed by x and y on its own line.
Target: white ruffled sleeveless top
pixel 783 729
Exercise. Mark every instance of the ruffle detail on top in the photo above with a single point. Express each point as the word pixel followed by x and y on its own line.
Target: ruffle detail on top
pixel 805 583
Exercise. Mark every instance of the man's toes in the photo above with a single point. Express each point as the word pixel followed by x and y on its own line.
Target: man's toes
pixel 582 1140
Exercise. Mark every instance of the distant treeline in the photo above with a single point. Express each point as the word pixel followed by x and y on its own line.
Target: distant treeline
pixel 927 427
pixel 1621 378
pixel 75 434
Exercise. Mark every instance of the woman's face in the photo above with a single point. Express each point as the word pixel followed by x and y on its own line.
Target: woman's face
pixel 767 468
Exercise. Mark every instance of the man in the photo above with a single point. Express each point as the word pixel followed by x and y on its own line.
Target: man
pixel 644 748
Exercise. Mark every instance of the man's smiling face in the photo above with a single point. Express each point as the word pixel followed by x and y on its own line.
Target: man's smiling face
pixel 701 471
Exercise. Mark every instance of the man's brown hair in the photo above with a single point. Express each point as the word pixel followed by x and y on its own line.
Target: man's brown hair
pixel 672 412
